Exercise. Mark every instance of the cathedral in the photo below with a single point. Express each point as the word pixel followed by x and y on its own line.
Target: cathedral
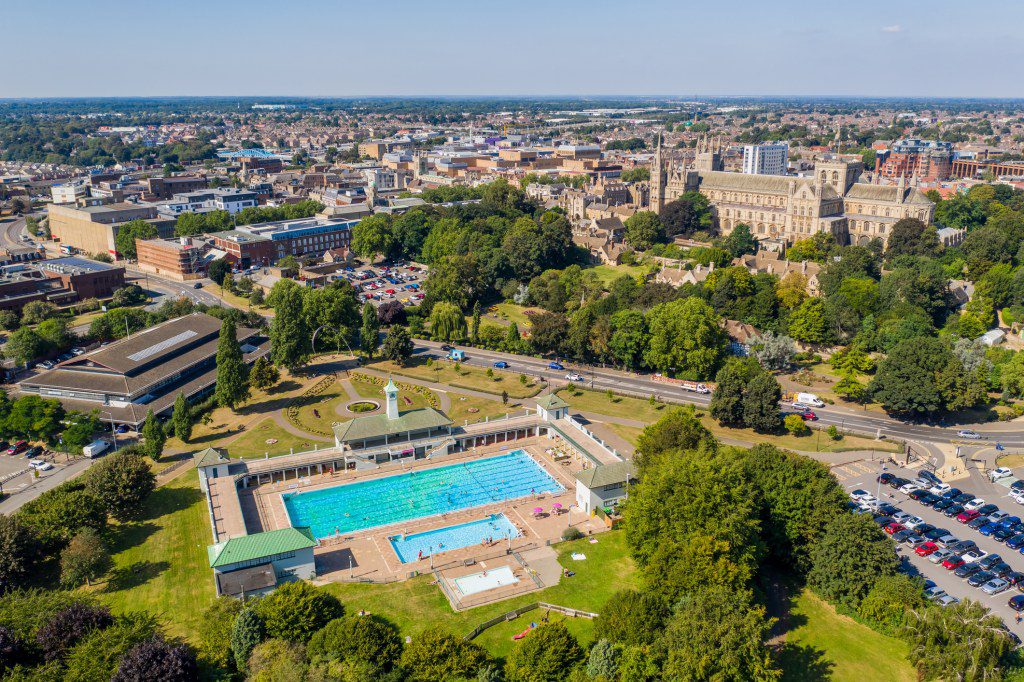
pixel 788 208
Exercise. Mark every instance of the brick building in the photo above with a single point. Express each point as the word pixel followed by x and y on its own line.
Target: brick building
pixel 927 160
pixel 180 258
pixel 61 281
pixel 165 188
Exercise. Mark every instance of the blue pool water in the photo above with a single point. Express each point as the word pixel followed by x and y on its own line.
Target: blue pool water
pixel 393 499
pixel 497 527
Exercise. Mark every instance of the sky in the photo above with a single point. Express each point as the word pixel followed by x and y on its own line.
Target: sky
pixel 345 48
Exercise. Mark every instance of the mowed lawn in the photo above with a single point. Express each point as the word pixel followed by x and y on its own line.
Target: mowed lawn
pixel 160 560
pixel 414 605
pixel 473 378
pixel 823 645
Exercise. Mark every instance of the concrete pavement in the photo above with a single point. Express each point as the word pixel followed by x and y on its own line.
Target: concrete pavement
pixel 22 490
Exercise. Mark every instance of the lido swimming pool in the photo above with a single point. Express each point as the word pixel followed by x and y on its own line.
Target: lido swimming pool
pixel 494 528
pixel 403 497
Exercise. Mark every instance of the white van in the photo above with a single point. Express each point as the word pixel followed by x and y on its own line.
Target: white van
pixel 809 399
pixel 94 448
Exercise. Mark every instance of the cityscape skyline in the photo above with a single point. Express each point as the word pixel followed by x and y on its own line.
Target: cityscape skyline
pixel 655 48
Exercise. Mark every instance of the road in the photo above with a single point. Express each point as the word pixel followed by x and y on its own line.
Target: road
pixel 25 488
pixel 863 475
pixel 1011 436
pixel 12 232
pixel 162 289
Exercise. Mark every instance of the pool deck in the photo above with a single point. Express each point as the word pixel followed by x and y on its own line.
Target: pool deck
pixel 367 555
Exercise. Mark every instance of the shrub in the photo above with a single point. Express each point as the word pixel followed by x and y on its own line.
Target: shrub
pixel 796 425
pixel 571 533
pixel 294 611
pixel 69 626
pixel 157 660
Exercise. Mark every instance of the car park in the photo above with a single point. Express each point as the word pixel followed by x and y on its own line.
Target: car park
pixel 976 504
pixel 953 563
pixel 934 592
pixel 953 510
pixel 939 555
pixel 1017 603
pixel 40 465
pixel 947 600
pixel 995 586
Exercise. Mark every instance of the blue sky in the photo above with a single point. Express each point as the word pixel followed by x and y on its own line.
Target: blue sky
pixel 969 48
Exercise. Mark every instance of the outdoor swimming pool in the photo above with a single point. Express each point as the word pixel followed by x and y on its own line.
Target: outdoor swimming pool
pixel 495 527
pixel 486 580
pixel 402 497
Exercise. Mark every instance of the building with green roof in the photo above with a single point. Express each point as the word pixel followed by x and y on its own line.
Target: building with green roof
pixel 256 563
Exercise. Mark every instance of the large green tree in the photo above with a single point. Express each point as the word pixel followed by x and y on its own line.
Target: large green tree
pixel 435 654
pixel 849 558
pixel 154 435
pixel 685 337
pixel 398 346
pixel 962 642
pixel 122 481
pixel 686 215
pixel 296 610
pixel 761 404
pixel 644 229
pixel 232 374
pixel 373 236
pixel 124 240
pixel 549 654
pixel 181 418
pixel 289 333
pixel 447 323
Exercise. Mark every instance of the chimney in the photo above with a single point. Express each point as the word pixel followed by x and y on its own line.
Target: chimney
pixel 711 266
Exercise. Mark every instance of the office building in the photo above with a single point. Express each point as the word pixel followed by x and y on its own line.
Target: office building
pixel 92 228
pixel 179 258
pixel 765 159
pixel 158 189
pixel 61 281
pixel 227 199
pixel 266 243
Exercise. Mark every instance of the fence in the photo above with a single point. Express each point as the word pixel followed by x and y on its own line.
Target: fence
pixel 512 615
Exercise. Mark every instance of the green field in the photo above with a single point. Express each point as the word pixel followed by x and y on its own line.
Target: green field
pixel 510 312
pixel 253 441
pixel 609 273
pixel 473 378
pixel 160 560
pixel 823 645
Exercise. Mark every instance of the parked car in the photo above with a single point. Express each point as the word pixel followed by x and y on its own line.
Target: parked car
pixel 926 548
pixel 18 447
pixel 942 505
pixel 995 586
pixel 967 569
pixel 976 503
pixel 935 533
pixel 963 498
pixel 40 465
pixel 939 489
pixel 967 515
pixel 556 366
pixel 947 600
pixel 934 592
pixel 1017 603
pixel 898 482
pixel 1015 542
pixel 1014 578
pixel 939 555
pixel 990 561
pixel 901 516
pixel 894 528
pixel 33 452
pixel 913 522
pixel 953 563
pixel 909 488
pixel 919 494
pixel 988 509
pixel 953 510
pixel 978 523
pixel 973 555
pixel 885 478
pixel 980 578
pixel 947 541
pixel 999 472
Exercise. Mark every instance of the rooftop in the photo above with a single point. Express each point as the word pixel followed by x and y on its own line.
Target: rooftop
pixel 606 474
pixel 378 425
pixel 260 546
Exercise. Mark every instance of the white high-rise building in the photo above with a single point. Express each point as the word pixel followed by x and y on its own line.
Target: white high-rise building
pixel 765 159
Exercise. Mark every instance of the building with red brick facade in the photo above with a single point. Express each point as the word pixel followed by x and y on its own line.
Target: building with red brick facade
pixel 927 160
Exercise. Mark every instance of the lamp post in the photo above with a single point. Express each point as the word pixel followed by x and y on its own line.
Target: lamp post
pixel 113 430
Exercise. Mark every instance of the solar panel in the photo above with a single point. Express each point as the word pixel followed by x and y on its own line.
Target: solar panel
pixel 162 346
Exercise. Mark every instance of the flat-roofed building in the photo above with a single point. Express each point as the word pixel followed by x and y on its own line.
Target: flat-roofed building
pixel 93 228
pixel 266 243
pixel 145 371
pixel 69 192
pixel 60 281
pixel 227 199
pixel 180 258
pixel 165 188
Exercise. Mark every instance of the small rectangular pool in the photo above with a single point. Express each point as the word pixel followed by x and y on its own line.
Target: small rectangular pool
pixel 413 547
pixel 485 580
pixel 417 494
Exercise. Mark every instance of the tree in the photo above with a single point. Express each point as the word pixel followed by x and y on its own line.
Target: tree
pixel 247 632
pixel 218 270
pixel 12 650
pixel 263 375
pixel 513 341
pixel 549 654
pixel 962 642
pixel 154 435
pixel 727 400
pixel 181 418
pixel 25 345
pixel 277 660
pixel 257 297
pixel 920 376
pixel 69 626
pixel 603 661
pixel 686 338
pixel 18 553
pixel 35 312
pixel 447 322
pixel 761 404
pixel 629 337
pixel 157 659
pixel 740 241
pixel 474 328
pixel 796 425
pixel 644 229
pixel 719 634
pixel 369 333
pixel 807 323
pixel 232 374
pixel 214 630
pixel 294 611
pixel 35 418
pixel 364 639
pixel 373 236
pixel 631 617
pixel 686 215
pixel 124 240
pixel 847 561
pixel 391 312
pixel 548 332
pixel 289 334
pixel 679 429
pixel 438 655
pixel 889 600
pixel 84 559
pixel 911 237
pixel 122 481
pixel 59 514
pixel 398 346
pixel 774 351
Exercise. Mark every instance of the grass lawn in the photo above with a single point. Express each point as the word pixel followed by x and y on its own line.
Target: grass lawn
pixel 463 406
pixel 253 441
pixel 629 433
pixel 823 645
pixel 616 406
pixel 407 400
pixel 609 273
pixel 1011 461
pixel 160 560
pixel 236 301
pixel 467 377
pixel 414 605
pixel 511 312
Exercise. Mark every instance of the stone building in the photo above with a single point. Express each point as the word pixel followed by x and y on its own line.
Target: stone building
pixel 791 208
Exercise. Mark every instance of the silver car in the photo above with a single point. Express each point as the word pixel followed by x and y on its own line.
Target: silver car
pixel 947 600
pixel 939 555
pixel 995 586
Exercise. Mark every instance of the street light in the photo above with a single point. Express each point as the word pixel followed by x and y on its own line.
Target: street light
pixel 113 430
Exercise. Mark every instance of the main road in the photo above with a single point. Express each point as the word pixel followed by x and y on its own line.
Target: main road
pixel 644 386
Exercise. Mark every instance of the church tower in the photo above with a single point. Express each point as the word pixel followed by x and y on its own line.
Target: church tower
pixel 391 391
pixel 709 155
pixel 657 182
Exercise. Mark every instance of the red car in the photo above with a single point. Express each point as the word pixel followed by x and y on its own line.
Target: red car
pixel 17 448
pixel 809 416
pixel 925 548
pixel 894 527
pixel 953 562
pixel 967 516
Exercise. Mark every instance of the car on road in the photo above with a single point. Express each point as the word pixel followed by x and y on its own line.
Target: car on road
pixel 1000 472
pixel 555 366
pixel 995 586
pixel 197 285
pixel 968 434
pixel 967 515
pixel 926 548
pixel 40 465
pixel 573 376
pixel 939 555
pixel 809 416
pixel 501 364
pixel 980 578
pixel 947 600
pixel 1017 603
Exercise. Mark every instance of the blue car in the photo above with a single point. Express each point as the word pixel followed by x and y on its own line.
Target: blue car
pixel 501 364
pixel 988 529
pixel 1009 521
pixel 1016 542
pixel 555 365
